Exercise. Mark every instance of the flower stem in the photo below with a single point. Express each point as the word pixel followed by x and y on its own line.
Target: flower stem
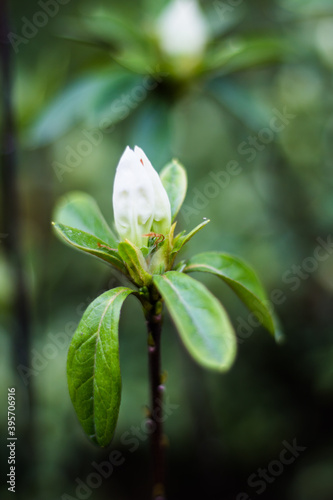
pixel 154 326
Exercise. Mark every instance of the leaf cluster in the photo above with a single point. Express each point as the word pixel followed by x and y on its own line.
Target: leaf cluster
pixel 201 320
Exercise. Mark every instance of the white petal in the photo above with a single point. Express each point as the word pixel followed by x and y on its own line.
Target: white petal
pixel 182 29
pixel 162 209
pixel 133 199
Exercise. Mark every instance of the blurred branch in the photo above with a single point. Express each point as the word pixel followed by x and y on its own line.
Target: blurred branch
pixel 11 210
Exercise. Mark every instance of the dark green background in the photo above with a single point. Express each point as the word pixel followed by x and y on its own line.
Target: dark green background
pixel 271 213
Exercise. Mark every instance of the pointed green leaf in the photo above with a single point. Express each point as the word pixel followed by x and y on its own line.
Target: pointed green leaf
pixel 109 29
pixel 201 320
pixel 80 210
pixel 174 180
pixel 181 238
pixel 93 369
pixel 90 244
pixel 135 263
pixel 247 53
pixel 240 277
pixel 65 110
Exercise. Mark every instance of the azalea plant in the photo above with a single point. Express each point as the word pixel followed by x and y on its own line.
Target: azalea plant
pixel 144 252
pixel 170 49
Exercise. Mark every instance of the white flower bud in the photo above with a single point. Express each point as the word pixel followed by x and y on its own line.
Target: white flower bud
pixel 140 202
pixel 182 29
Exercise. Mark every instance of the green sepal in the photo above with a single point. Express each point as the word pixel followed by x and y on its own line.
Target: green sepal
pixel 162 259
pixel 135 263
pixel 201 320
pixel 93 369
pixel 174 180
pixel 159 260
pixel 182 238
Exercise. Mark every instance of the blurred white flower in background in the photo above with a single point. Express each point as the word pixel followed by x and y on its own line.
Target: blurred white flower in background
pixel 182 29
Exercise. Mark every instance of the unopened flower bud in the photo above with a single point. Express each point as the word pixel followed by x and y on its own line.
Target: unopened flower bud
pixel 140 202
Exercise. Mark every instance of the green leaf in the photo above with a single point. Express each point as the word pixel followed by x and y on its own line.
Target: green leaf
pixel 126 42
pixel 107 110
pixel 81 101
pixel 247 53
pixel 241 102
pixel 240 277
pixel 151 126
pixel 80 211
pixel 181 238
pixel 90 244
pixel 201 320
pixel 93 369
pixel 221 25
pixel 174 180
pixel 115 30
pixel 135 263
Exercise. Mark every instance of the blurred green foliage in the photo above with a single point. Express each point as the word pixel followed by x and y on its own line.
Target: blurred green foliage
pixel 270 209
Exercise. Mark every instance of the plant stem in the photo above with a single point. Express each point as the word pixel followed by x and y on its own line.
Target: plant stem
pixel 154 326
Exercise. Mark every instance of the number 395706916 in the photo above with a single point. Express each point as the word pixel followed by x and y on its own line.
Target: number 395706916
pixel 11 411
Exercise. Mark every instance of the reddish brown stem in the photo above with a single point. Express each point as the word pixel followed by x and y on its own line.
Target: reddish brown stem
pixel 154 326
